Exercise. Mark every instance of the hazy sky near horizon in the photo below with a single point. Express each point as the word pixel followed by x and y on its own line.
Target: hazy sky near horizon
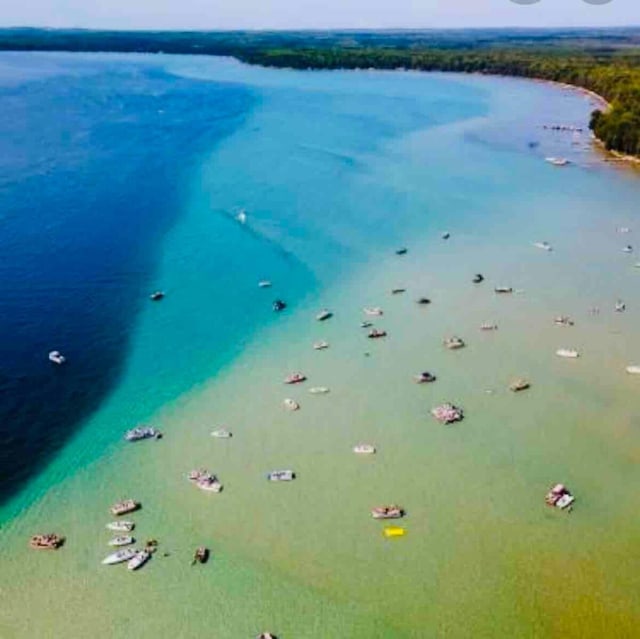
pixel 289 14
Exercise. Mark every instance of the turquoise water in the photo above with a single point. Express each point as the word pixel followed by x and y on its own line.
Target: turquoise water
pixel 335 171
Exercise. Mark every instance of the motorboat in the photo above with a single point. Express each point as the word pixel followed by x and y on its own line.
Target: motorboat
pixel 503 289
pixel 138 560
pixel 559 497
pixel 453 343
pixel 424 378
pixel 372 311
pixel 563 320
pixel 478 278
pixel 200 556
pixel 397 291
pixel 387 512
pixel 364 449
pixel 402 251
pixel 624 229
pixel 205 480
pixel 295 378
pixel 628 249
pixel 568 353
pixel 121 526
pixel 281 475
pixel 545 246
pixel 46 541
pixel 423 301
pixel 366 324
pixel 57 357
pixel 279 305
pixel 447 413
pixel 488 327
pixel 376 333
pixel 142 432
pixel 557 161
pixel 518 385
pixel 242 217
pixel 291 404
pixel 446 235
pixel 266 635
pixel 124 507
pixel 620 306
pixel 323 315
pixel 319 390
pixel 633 370
pixel 221 433
pixel 121 540
pixel 320 346
pixel 126 554
pixel 156 296
pixel 264 284
pixel 394 531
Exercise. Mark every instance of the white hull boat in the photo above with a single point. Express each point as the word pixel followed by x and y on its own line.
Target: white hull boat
pixel 319 390
pixel 121 526
pixel 281 475
pixel 633 370
pixel 122 540
pixel 126 554
pixel 319 346
pixel 545 246
pixel 373 311
pixel 138 560
pixel 57 357
pixel 364 449
pixel 291 404
pixel 221 433
pixel 567 353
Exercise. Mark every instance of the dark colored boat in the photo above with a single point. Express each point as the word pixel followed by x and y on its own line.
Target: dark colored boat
pixel 477 278
pixel 157 296
pixel 200 556
pixel 279 305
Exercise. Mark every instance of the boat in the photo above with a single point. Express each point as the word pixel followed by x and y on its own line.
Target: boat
pixel 424 378
pixel 126 554
pixel 319 390
pixel 291 404
pixel 567 353
pixel 264 284
pixel 488 327
pixel 266 635
pixel 402 251
pixel 323 315
pixel 124 507
pixel 372 310
pixel 447 413
pixel 628 249
pixel 366 324
pixel 518 385
pixel 423 301
pixel 294 378
pixel 156 296
pixel 478 278
pixel 624 229
pixel 281 475
pixel 320 346
pixel 394 531
pixel 633 370
pixel 279 305
pixel 142 432
pixel 453 343
pixel 121 526
pixel 200 556
pixel 121 540
pixel 563 320
pixel 205 480
pixel 57 357
pixel 221 433
pixel 242 216
pixel 46 541
pixel 545 246
pixel 446 235
pixel 376 333
pixel 557 161
pixel 397 291
pixel 364 449
pixel 138 560
pixel 503 289
pixel 559 497
pixel 387 512
pixel 620 306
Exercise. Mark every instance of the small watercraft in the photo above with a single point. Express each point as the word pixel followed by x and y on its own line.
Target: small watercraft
pixel 279 305
pixel 138 560
pixel 557 161
pixel 200 556
pixel 121 526
pixel 503 289
pixel 478 278
pixel 366 324
pixel 126 554
pixel 319 390
pixel 124 507
pixel 320 346
pixel 323 315
pixel 628 249
pixel 387 512
pixel 545 246
pixel 264 284
pixel 266 635
pixel 397 291
pixel 559 497
pixel 46 541
pixel 424 378
pixel 620 306
pixel 291 404
pixel 488 327
pixel 376 333
pixel 142 432
pixel 423 301
pixel 453 343
pixel 624 229
pixel 568 353
pixel 563 320
pixel 518 385
pixel 372 310
pixel 121 540
pixel 394 531
pixel 205 480
pixel 633 370
pixel 57 357
pixel 221 433
pixel 402 251
pixel 446 235
pixel 242 216
pixel 156 296
pixel 281 475
pixel 447 413
pixel 294 378
pixel 364 449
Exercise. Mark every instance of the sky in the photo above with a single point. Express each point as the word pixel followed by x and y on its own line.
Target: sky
pixel 316 14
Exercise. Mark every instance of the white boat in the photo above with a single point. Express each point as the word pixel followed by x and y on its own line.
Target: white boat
pixel 264 284
pixel 57 357
pixel 620 306
pixel 565 501
pixel 318 390
pixel 221 433
pixel 142 432
pixel 633 370
pixel 320 346
pixel 205 480
pixel 568 353
pixel 545 246
pixel 557 161
pixel 121 526
pixel 374 311
pixel 121 540
pixel 364 449
pixel 242 217
pixel 624 229
pixel 119 557
pixel 281 475
pixel 139 559
pixel 628 249
pixel 291 404
pixel 323 315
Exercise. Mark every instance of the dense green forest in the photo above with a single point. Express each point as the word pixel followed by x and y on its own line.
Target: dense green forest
pixel 606 61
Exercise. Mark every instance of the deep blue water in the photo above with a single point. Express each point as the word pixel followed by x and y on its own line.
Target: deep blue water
pixel 93 161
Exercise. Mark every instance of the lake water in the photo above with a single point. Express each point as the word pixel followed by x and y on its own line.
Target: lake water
pixel 120 175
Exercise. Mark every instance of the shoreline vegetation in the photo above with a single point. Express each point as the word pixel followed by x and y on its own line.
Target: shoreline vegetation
pixel 604 63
